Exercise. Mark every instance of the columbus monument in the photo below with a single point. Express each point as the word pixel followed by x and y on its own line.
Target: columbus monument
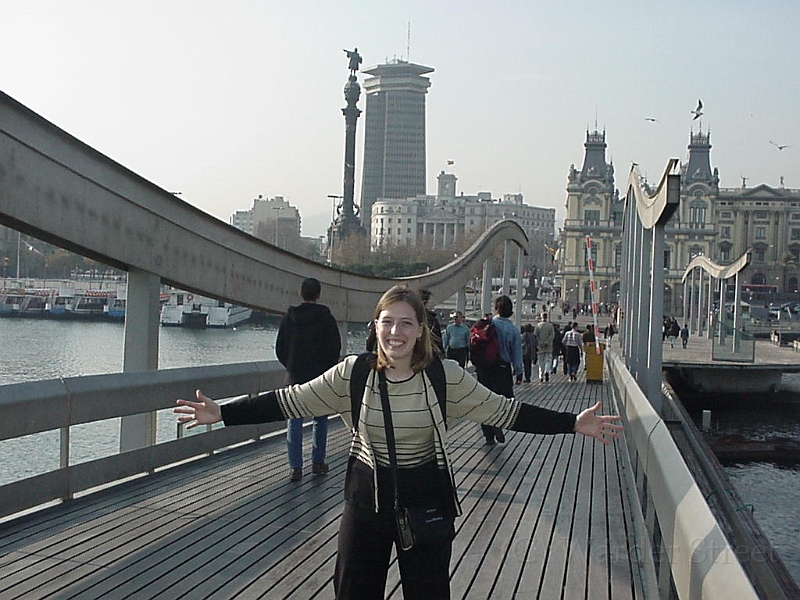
pixel 346 221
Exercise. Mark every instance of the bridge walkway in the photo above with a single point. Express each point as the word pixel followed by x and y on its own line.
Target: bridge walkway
pixel 544 517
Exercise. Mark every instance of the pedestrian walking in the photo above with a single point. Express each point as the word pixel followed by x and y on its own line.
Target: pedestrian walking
pixel 685 335
pixel 499 377
pixel 572 342
pixel 455 339
pixel 545 335
pixel 308 344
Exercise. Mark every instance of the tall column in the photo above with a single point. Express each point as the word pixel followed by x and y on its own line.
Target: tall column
pixel 486 288
pixel 141 352
pixel 347 222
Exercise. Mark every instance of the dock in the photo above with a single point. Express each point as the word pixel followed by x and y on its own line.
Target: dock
pixel 543 517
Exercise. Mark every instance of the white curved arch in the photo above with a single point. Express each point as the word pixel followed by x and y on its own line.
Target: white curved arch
pixel 715 270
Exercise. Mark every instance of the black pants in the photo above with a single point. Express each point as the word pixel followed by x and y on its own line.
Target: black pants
pixel 365 547
pixel 366 537
pixel 458 354
pixel 500 380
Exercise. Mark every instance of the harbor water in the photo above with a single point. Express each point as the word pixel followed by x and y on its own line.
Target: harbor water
pixel 35 349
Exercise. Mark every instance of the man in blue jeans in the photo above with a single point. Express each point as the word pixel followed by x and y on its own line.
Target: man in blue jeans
pixel 308 344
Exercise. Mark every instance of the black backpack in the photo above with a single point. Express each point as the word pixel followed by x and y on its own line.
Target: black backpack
pixel 358 381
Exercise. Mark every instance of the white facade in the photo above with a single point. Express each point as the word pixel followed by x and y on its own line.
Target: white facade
pixel 439 221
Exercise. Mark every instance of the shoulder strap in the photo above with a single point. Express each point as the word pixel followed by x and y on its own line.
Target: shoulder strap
pixel 358 382
pixel 435 372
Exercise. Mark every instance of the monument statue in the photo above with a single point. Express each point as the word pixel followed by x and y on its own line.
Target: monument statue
pixel 355 60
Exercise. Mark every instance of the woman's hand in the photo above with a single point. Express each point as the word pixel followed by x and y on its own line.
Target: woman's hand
pixel 600 427
pixel 203 412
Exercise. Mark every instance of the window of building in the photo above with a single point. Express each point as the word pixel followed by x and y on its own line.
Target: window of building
pixel 795 216
pixel 758 254
pixel 695 251
pixel 697 214
pixel 591 216
pixel 761 214
pixel 725 214
pixel 667 258
pixel 618 256
pixel 761 232
pixel 725 231
pixel 795 233
pixel 725 252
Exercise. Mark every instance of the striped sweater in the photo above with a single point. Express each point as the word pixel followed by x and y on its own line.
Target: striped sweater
pixel 420 432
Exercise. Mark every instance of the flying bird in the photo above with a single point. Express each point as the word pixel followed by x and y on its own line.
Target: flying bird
pixel 651 119
pixel 779 146
pixel 698 112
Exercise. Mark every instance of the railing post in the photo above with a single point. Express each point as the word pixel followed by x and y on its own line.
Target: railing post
pixel 486 289
pixel 461 301
pixel 685 306
pixel 737 316
pixel 710 308
pixel 644 280
pixel 692 298
pixel 700 290
pixel 141 352
pixel 507 268
pixel 520 289
pixel 656 316
pixel 721 313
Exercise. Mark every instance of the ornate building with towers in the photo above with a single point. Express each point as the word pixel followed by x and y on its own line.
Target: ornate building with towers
pixel 717 222
pixel 594 209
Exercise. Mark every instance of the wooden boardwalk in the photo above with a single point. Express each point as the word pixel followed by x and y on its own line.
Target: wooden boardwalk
pixel 544 517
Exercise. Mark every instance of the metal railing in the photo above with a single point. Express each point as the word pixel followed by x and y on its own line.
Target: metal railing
pixel 62 404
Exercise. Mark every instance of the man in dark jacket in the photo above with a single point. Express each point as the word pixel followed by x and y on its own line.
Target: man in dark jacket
pixel 308 344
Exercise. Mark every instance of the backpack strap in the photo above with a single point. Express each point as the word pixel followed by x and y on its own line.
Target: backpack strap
pixel 435 372
pixel 358 383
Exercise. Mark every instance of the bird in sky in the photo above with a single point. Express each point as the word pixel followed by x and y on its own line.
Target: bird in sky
pixel 651 119
pixel 698 112
pixel 779 146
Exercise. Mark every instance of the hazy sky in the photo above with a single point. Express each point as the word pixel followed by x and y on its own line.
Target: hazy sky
pixel 225 100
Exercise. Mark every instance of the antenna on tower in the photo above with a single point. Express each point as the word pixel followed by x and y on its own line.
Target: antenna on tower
pixel 408 43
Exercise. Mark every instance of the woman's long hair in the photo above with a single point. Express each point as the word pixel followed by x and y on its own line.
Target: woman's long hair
pixel 423 348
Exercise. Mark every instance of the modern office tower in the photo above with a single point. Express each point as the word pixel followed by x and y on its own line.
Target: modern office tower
pixel 394 133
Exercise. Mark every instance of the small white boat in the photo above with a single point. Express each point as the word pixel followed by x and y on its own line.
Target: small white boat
pixel 184 309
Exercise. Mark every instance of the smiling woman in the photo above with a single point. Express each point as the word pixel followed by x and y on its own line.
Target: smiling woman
pixel 399 458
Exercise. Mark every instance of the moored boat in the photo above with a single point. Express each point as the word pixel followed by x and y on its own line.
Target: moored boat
pixel 184 309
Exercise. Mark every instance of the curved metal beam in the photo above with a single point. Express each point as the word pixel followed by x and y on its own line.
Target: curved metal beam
pixel 657 207
pixel 715 270
pixel 55 187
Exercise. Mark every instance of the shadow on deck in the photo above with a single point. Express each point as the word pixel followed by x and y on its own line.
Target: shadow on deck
pixel 544 517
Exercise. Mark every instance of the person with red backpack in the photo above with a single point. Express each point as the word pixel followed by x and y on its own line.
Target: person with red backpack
pixel 499 359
